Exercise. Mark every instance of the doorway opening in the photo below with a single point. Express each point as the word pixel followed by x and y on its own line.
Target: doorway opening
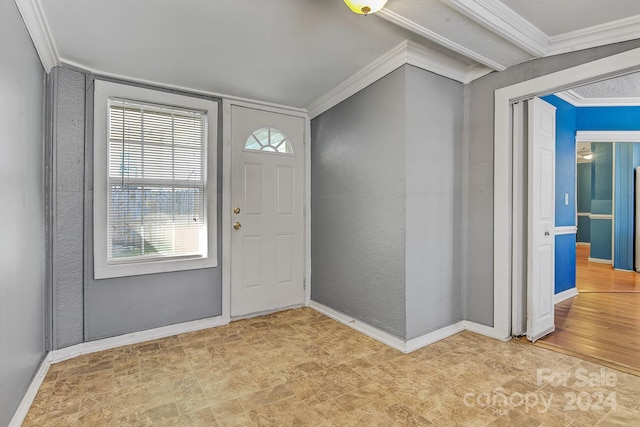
pixel 507 218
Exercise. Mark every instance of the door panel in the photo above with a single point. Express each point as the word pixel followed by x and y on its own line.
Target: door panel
pixel 285 190
pixel 284 258
pixel 253 189
pixel 541 249
pixel 267 184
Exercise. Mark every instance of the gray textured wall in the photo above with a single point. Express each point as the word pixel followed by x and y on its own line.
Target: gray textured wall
pixel 22 221
pixel 434 115
pixel 87 309
pixel 478 150
pixel 358 205
pixel 67 144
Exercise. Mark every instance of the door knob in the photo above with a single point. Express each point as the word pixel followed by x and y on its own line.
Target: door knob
pixel 237 225
pixel 236 211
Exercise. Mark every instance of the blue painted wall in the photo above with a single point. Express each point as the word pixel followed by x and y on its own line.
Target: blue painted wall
pixel 584 202
pixel 627 158
pixel 608 118
pixel 601 200
pixel 623 225
pixel 565 258
pixel 565 160
pixel 565 251
pixel 597 196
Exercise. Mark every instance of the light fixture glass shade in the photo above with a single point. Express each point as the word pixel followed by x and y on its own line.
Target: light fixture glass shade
pixel 365 7
pixel 588 156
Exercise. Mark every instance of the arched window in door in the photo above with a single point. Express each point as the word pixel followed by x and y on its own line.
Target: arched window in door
pixel 268 140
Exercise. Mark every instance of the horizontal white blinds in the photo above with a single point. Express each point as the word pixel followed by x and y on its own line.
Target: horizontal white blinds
pixel 156 182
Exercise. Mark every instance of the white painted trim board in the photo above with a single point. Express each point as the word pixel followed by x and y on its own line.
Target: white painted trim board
pixel 569 229
pixel 38 28
pixel 405 346
pixel 89 347
pixel 27 400
pixel 404 53
pixel 565 295
pixel 607 136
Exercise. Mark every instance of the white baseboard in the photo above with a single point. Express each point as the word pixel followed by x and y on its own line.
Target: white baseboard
pixel 487 331
pixel 398 343
pixel 600 261
pixel 370 331
pixel 431 337
pixel 134 338
pixel 34 386
pixel 565 295
pixel 63 354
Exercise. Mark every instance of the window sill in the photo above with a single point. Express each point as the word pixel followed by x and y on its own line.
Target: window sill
pixel 108 271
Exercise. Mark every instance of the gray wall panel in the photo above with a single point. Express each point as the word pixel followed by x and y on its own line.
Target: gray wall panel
pixel 68 182
pixel 479 215
pixel 358 193
pixel 87 309
pixel 22 217
pixel 433 219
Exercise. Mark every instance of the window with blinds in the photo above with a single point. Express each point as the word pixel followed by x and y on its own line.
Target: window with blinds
pixel 156 182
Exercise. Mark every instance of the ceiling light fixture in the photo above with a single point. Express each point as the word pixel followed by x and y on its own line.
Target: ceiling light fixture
pixel 588 156
pixel 365 7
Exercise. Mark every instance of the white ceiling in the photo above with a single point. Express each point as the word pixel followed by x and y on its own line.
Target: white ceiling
pixel 296 52
pixel 627 86
pixel 556 17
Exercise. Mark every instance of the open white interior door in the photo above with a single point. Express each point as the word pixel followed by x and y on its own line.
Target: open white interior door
pixel 541 207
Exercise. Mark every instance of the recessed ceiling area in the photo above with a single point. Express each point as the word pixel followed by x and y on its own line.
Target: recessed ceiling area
pixel 627 86
pixel 297 52
pixel 623 90
pixel 556 17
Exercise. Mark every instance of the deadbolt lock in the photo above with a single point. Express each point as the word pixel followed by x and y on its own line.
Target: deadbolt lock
pixel 237 225
pixel 236 211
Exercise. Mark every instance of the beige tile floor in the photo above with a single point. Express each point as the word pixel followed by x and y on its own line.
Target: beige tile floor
pixel 299 367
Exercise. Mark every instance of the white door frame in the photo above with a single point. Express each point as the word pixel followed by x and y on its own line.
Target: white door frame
pixel 502 178
pixel 226 196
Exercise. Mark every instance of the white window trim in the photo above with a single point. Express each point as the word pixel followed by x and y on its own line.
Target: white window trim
pixel 103 91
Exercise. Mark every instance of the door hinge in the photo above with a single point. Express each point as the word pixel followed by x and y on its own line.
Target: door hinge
pixel 304 283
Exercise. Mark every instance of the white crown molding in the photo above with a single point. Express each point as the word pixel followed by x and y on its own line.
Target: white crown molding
pixel 444 65
pixel 38 29
pixel 404 53
pixel 598 35
pixel 405 23
pixel 285 109
pixel 376 70
pixel 569 96
pixel 577 100
pixel 503 21
pixel 607 136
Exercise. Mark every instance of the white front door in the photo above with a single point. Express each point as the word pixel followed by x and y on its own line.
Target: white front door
pixel 267 234
pixel 541 247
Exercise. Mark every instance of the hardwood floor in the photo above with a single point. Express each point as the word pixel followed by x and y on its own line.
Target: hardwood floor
pixel 597 277
pixel 603 321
